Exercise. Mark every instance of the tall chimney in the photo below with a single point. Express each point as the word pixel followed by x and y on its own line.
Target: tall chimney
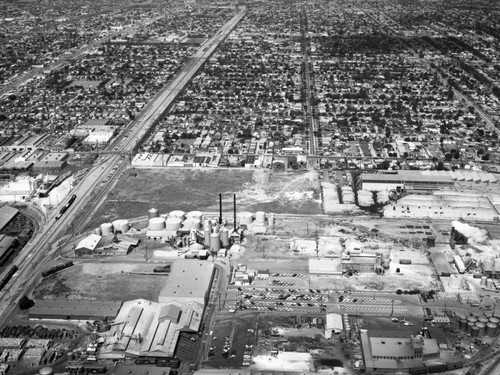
pixel 220 208
pixel 234 210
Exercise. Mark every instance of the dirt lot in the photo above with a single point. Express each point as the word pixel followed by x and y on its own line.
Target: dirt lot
pixel 101 281
pixel 195 189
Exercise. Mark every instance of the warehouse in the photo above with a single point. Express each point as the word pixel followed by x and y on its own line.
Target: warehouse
pixel 393 351
pixel 74 310
pixel 7 213
pixel 325 266
pixel 189 281
pixel 54 161
pixel 7 246
pixel 406 180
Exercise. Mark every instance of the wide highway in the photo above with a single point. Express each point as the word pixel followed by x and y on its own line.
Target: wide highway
pixel 96 185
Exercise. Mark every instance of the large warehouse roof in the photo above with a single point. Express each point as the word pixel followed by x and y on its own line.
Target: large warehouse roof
pixel 7 213
pixel 76 310
pixel 189 280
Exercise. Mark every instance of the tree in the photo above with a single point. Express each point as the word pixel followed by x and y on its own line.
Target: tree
pixel 25 303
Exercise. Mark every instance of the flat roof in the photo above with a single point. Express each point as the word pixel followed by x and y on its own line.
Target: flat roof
pixel 60 307
pixel 188 278
pixel 5 244
pixel 7 213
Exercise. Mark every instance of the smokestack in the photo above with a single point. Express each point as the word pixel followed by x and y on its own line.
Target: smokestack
pixel 234 210
pixel 220 208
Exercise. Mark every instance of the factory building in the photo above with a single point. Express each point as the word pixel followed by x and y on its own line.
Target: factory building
pixel 394 351
pixel 106 245
pixel 7 245
pixel 362 262
pixel 17 190
pixel 74 310
pixel 406 180
pixel 189 281
pixel 96 131
pixel 52 162
pixel 7 214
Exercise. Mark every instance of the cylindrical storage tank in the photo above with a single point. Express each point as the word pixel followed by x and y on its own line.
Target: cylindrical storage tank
pixel 494 319
pixel 483 281
pixel 489 284
pixel 46 371
pixel 97 231
pixel 153 212
pixel 195 215
pixel 474 331
pixel 192 224
pixel 470 325
pixel 173 224
pixel 246 218
pixel 214 242
pixel 156 223
pixel 483 319
pixel 471 319
pixel 121 225
pixel 260 217
pixel 482 328
pixel 106 228
pixel 491 329
pixel 224 236
pixel 386 263
pixel 462 324
pixel 177 214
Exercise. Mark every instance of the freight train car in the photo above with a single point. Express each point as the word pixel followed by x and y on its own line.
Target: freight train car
pixel 56 268
pixel 6 278
pixel 66 206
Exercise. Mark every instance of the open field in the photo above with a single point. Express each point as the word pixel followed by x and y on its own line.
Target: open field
pixel 101 281
pixel 194 189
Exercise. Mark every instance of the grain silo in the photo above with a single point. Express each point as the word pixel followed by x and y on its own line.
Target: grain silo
pixel 471 319
pixel 121 225
pixel 224 236
pixel 482 328
pixel 494 319
pixel 207 229
pixel 173 224
pixel 491 329
pixel 153 212
pixel 260 217
pixel 191 223
pixel 483 319
pixel 470 325
pixel 177 214
pixel 106 229
pixel 215 242
pixel 483 281
pixel 462 324
pixel 195 215
pixel 246 218
pixel 156 223
pixel 474 331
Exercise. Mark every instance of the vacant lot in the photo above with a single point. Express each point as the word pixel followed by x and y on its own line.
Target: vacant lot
pixel 102 281
pixel 195 189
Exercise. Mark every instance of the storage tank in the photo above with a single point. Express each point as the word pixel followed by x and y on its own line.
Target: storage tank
pixel 246 218
pixel 494 319
pixel 462 324
pixel 46 371
pixel 470 325
pixel 471 319
pixel 196 246
pixel 195 215
pixel 173 224
pixel 106 228
pixel 474 331
pixel 224 236
pixel 177 214
pixel 489 284
pixel 156 223
pixel 97 231
pixel 260 217
pixel 121 225
pixel 386 263
pixel 207 229
pixel 153 212
pixel 214 242
pixel 482 328
pixel 483 281
pixel 191 223
pixel 491 329
pixel 483 319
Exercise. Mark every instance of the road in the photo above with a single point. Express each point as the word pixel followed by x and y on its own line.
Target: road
pixel 96 185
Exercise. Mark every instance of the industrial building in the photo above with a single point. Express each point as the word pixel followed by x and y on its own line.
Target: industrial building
pixel 52 162
pixel 393 351
pixel 406 180
pixel 96 131
pixel 189 281
pixel 148 160
pixel 7 245
pixel 7 213
pixel 325 266
pixel 334 325
pixel 74 309
pixel 106 245
pixel 17 190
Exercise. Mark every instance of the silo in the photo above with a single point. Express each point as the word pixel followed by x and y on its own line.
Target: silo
pixel 225 237
pixel 483 319
pixel 177 214
pixel 46 371
pixel 482 329
pixel 470 325
pixel 474 331
pixel 195 215
pixel 97 231
pixel 494 319
pixel 491 329
pixel 156 223
pixel 207 229
pixel 260 217
pixel 215 241
pixel 173 224
pixel 489 284
pixel 121 225
pixel 191 223
pixel 106 228
pixel 483 281
pixel 153 212
pixel 471 319
pixel 246 218
pixel 462 324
